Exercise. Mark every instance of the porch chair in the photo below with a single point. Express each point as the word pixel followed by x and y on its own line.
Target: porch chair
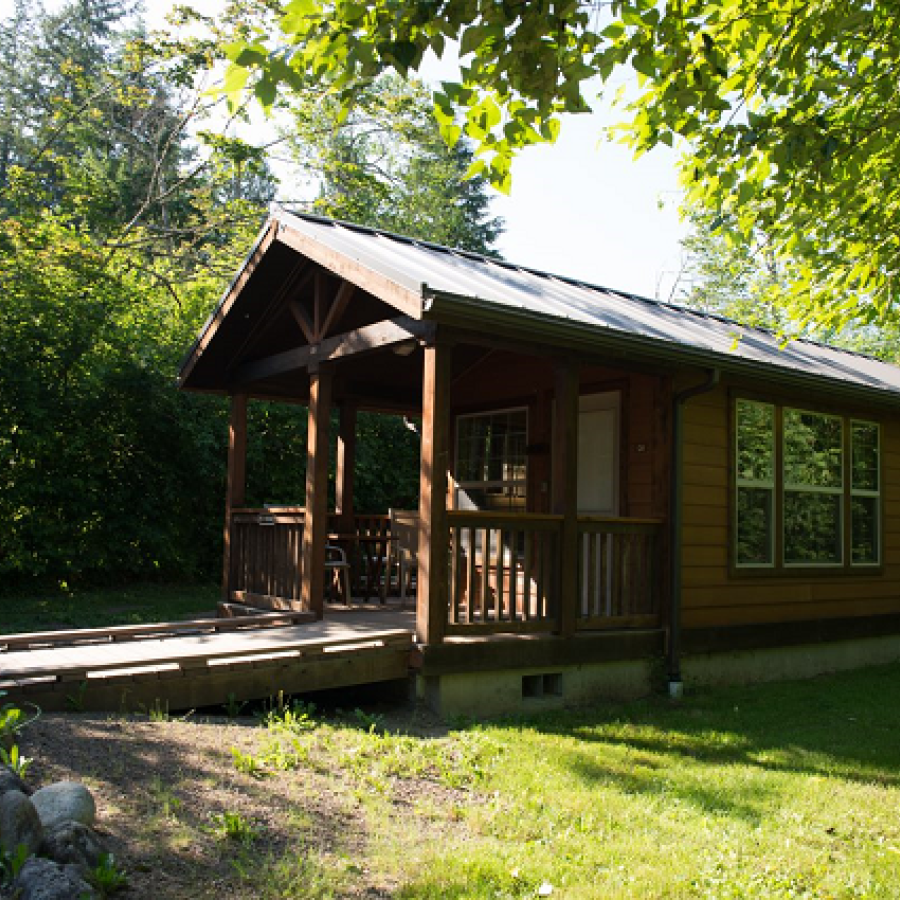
pixel 338 568
pixel 404 550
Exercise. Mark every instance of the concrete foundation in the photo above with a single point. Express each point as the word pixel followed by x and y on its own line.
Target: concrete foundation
pixel 511 691
pixel 788 663
pixel 523 691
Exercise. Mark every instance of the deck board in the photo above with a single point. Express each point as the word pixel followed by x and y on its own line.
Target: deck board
pixel 216 664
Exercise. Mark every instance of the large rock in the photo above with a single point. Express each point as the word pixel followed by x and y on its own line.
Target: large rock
pixel 9 781
pixel 65 801
pixel 19 823
pixel 43 879
pixel 74 843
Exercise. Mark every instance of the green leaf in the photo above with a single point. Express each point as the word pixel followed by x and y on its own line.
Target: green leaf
pixel 296 14
pixel 235 79
pixel 266 92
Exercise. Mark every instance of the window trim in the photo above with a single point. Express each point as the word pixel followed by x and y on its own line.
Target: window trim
pixel 778 567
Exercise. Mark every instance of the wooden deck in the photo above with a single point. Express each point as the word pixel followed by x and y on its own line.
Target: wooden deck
pixel 202 663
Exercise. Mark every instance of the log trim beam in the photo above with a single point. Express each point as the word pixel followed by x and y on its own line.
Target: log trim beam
pixel 431 581
pixel 345 467
pixel 564 489
pixel 352 343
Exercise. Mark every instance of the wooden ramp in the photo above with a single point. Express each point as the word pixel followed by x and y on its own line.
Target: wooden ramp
pixel 184 665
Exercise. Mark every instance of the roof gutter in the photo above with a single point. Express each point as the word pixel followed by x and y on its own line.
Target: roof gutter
pixel 673 649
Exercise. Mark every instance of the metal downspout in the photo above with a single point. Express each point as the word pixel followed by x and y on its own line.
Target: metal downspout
pixel 673 653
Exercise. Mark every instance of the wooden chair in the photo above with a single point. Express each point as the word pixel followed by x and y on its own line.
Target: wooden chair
pixel 337 566
pixel 404 550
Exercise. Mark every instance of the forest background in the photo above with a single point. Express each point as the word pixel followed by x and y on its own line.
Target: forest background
pixel 126 205
pixel 127 201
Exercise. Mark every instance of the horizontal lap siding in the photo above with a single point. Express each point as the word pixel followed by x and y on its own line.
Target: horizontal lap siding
pixel 711 596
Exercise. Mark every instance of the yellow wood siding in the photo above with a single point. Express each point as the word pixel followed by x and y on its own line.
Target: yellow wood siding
pixel 714 596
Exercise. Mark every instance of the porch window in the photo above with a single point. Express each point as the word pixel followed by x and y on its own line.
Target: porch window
pixel 491 460
pixel 807 488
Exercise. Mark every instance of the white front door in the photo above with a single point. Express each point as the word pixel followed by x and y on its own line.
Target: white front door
pixel 598 454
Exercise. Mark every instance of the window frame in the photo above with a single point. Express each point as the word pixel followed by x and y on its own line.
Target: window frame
pixel 778 567
pixel 799 488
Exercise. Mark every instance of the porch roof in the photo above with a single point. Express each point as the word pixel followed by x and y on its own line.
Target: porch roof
pixel 427 281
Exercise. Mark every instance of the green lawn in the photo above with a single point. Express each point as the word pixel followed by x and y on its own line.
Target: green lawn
pixel 130 605
pixel 778 791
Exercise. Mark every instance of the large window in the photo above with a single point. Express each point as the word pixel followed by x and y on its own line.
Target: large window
pixel 491 460
pixel 810 498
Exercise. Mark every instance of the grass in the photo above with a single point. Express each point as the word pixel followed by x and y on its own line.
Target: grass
pixel 780 791
pixel 132 605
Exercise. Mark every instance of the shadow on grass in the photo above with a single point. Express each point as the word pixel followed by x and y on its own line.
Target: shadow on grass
pixel 842 726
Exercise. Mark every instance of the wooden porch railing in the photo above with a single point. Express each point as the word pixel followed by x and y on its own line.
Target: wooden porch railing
pixel 504 572
pixel 617 572
pixel 266 554
pixel 504 567
pixel 266 548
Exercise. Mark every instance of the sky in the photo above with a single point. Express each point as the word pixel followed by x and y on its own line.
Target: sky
pixel 582 207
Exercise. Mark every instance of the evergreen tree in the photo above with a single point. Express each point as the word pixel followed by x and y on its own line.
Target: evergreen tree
pixel 386 165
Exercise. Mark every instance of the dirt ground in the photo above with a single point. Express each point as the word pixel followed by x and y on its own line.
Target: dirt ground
pixel 162 788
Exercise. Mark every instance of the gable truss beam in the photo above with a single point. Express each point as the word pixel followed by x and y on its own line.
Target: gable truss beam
pixel 315 329
pixel 352 343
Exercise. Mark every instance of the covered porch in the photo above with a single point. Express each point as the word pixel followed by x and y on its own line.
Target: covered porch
pixel 544 472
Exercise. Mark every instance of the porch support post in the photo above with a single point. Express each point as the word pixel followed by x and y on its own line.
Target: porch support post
pixel 236 484
pixel 315 522
pixel 346 461
pixel 564 498
pixel 431 590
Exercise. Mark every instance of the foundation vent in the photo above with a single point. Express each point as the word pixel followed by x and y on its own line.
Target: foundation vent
pixel 547 684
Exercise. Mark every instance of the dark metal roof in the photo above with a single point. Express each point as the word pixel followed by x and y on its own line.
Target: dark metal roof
pixel 470 284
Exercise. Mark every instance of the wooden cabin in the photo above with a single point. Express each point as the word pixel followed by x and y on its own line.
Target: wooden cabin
pixel 606 482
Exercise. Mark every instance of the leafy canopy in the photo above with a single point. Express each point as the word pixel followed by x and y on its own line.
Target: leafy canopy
pixel 788 108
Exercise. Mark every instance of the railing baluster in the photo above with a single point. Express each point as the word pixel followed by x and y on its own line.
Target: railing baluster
pixel 455 581
pixel 618 572
pixel 526 583
pixel 485 572
pixel 475 575
pixel 507 577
